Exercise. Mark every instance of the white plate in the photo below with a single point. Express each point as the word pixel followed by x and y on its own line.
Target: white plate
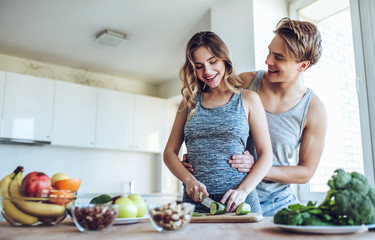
pixel 325 229
pixel 128 220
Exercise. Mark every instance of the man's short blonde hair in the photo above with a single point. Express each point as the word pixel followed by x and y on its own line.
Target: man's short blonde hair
pixel 302 39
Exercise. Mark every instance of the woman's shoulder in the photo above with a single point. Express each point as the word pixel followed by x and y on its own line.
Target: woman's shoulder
pixel 249 92
pixel 250 95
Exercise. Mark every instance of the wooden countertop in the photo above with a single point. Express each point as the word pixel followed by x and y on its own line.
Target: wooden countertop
pixel 144 230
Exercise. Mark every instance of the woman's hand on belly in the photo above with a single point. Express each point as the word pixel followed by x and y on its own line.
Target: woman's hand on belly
pixel 194 188
pixel 233 198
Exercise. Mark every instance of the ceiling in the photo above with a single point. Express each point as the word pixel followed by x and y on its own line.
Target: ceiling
pixel 63 33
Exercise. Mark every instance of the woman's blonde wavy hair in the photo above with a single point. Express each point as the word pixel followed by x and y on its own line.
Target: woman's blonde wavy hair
pixel 192 86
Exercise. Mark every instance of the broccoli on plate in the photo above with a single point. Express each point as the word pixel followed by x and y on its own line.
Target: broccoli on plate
pixel 349 201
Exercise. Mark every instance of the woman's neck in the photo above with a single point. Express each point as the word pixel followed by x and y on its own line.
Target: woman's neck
pixel 216 97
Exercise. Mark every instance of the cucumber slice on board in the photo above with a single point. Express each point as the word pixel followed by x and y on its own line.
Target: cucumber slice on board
pixel 198 214
pixel 217 208
pixel 243 209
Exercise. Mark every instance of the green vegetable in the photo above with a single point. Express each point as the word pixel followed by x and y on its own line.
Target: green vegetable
pixel 243 209
pixel 217 208
pixel 198 214
pixel 349 201
pixel 299 214
pixel 104 198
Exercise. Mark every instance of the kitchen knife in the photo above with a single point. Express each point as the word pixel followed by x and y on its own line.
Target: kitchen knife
pixel 206 201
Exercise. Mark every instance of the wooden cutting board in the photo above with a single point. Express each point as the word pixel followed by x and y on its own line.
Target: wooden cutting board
pixel 228 218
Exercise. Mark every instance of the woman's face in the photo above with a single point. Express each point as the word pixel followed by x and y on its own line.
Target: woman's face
pixel 208 68
pixel 281 67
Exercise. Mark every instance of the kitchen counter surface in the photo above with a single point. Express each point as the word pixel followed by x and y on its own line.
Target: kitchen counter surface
pixel 144 230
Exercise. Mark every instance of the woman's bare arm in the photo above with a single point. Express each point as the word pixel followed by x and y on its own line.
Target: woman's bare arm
pixel 171 159
pixel 258 124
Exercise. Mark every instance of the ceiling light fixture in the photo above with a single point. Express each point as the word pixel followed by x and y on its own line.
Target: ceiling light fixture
pixel 111 37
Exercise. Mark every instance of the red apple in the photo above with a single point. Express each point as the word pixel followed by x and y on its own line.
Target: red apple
pixel 36 184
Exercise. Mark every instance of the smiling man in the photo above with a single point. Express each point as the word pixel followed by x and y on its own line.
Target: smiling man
pixel 296 116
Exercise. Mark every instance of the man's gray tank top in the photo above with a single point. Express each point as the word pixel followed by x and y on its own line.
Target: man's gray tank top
pixel 212 137
pixel 285 131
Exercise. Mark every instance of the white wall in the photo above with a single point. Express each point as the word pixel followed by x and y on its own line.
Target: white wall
pixel 170 89
pixel 267 14
pixel 233 22
pixel 101 171
pixel 246 26
pixel 80 76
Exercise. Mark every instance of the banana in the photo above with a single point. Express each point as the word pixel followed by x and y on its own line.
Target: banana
pixel 4 184
pixel 39 209
pixel 13 213
pixel 5 181
pixel 10 185
pixel 14 188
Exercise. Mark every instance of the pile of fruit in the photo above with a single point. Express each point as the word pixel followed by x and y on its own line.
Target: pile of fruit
pixel 36 198
pixel 131 206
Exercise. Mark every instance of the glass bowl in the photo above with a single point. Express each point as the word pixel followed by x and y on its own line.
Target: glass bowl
pixel 94 217
pixel 170 216
pixel 37 211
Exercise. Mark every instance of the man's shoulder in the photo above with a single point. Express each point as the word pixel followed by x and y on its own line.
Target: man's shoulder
pixel 317 111
pixel 247 77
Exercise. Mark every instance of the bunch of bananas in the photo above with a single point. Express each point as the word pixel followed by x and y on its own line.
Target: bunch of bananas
pixel 18 210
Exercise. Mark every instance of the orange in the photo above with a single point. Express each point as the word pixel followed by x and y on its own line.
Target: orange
pixel 61 197
pixel 68 184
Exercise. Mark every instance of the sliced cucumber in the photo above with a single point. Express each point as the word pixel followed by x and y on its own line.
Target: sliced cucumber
pixel 243 209
pixel 217 208
pixel 198 214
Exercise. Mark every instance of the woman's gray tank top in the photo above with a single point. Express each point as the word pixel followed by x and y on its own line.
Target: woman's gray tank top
pixel 212 137
pixel 285 131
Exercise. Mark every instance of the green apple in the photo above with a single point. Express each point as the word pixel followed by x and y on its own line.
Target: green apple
pixel 140 203
pixel 128 209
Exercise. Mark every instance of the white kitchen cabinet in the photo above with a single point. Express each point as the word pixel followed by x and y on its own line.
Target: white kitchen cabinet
pixel 130 122
pixel 27 108
pixel 115 121
pixel 2 89
pixel 150 123
pixel 74 115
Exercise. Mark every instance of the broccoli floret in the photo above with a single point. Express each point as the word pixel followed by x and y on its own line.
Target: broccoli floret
pixel 340 180
pixel 350 199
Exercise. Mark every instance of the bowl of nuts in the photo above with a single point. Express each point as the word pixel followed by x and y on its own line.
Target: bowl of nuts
pixel 89 217
pixel 170 216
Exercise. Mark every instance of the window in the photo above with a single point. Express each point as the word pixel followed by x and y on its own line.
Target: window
pixel 333 79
